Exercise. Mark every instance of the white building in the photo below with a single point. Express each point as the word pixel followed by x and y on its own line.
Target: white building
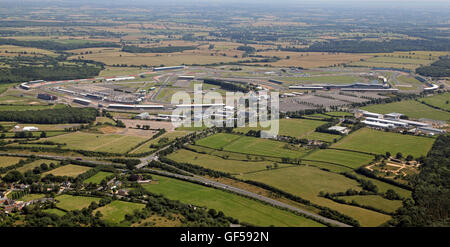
pixel 340 129
pixel 377 125
pixel 30 128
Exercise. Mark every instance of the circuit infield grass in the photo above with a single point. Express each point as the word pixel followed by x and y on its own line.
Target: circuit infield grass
pixel 380 142
pixel 244 209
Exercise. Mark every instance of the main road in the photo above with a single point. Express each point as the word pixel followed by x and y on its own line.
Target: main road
pixel 246 193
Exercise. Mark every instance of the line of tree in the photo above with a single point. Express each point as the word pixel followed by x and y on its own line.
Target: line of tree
pixel 48 73
pixel 363 46
pixel 164 49
pixel 51 116
pixel 55 45
pixel 226 85
pixel 440 68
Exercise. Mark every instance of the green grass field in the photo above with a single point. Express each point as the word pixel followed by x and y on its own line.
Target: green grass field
pixel 97 178
pixel 112 143
pixel 380 142
pixel 249 145
pixel 319 136
pixel 54 211
pixel 410 108
pixel 346 158
pixel 115 211
pixel 258 146
pixel 146 146
pixel 6 161
pixel 220 164
pixel 68 170
pixel 69 202
pixel 307 182
pixel 217 141
pixel 440 100
pixel 244 209
pixel 290 127
pixel 34 164
pixel 375 201
pixel 30 197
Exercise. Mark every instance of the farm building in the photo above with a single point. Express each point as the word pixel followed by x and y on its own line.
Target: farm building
pixel 414 123
pixel 45 96
pixel 377 125
pixel 432 131
pixel 385 121
pixel 393 115
pixel 340 129
pixel 82 101
pixel 30 128
pixel 371 114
